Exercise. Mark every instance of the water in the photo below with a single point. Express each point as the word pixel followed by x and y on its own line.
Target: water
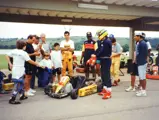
pixel 5 51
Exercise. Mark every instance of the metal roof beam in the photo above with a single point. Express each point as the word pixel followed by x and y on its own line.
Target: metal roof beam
pixel 69 6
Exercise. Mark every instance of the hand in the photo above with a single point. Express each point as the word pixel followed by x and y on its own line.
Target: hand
pixel 40 46
pixel 36 53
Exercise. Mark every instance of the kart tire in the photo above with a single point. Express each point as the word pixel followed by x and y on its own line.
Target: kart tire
pixel 47 89
pixel 74 94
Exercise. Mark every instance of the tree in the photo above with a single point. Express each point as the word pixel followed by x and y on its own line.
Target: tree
pixel 125 48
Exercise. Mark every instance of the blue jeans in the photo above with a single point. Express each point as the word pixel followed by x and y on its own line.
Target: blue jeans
pixel 18 86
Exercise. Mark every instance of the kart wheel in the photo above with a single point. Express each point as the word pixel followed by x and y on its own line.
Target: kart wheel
pixel 47 89
pixel 74 94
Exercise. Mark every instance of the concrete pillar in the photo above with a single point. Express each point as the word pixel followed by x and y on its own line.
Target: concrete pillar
pixel 131 43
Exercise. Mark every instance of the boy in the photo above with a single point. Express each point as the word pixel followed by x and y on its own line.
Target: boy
pixel 56 58
pixel 45 74
pixel 18 70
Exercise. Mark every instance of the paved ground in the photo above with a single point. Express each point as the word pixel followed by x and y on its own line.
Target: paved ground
pixel 122 106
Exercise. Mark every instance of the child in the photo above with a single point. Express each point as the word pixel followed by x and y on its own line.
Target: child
pixel 47 65
pixel 56 58
pixel 18 70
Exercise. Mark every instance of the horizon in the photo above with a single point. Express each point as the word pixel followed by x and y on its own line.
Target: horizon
pixel 22 30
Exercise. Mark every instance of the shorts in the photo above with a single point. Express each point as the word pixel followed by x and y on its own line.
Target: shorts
pixel 29 69
pixel 57 70
pixel 134 69
pixel 142 71
pixel 98 61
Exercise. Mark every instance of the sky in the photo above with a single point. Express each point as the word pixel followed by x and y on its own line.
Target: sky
pixel 22 30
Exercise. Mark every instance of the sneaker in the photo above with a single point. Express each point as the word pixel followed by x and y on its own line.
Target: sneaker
pixel 130 89
pixel 141 94
pixel 106 95
pixel 32 91
pixel 14 101
pixel 103 92
pixel 23 97
pixel 29 93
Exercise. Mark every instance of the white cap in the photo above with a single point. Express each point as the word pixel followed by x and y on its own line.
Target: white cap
pixel 138 34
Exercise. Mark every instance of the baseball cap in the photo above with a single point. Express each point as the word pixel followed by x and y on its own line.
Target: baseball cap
pixel 89 34
pixel 144 35
pixel 138 34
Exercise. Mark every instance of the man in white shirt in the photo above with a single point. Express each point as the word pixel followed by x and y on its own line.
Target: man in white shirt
pixel 67 48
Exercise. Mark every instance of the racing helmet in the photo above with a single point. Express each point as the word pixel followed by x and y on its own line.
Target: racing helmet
pixel 101 34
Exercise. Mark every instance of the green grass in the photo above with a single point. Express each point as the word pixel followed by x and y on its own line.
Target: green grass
pixel 3 62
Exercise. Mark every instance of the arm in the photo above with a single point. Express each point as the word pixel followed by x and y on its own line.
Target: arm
pixel 118 53
pixel 82 56
pixel 72 47
pixel 9 62
pixel 33 63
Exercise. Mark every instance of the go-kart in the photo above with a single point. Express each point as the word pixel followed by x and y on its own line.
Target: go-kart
pixel 74 86
pixel 6 84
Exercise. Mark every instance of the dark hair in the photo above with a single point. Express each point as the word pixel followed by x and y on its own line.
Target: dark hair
pixel 66 32
pixel 30 37
pixel 56 44
pixel 46 54
pixel 20 44
pixel 113 40
pixel 37 37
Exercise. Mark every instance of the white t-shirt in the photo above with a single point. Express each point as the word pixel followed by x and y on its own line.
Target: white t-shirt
pixel 148 45
pixel 56 58
pixel 69 43
pixel 19 58
pixel 38 58
pixel 46 63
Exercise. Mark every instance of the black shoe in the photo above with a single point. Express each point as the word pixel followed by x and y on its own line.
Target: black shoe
pixel 13 101
pixel 23 97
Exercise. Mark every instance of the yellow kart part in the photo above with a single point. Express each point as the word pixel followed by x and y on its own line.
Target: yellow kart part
pixel 88 90
pixel 8 86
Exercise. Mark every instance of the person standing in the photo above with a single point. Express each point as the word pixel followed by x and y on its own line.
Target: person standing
pixel 89 48
pixel 37 48
pixel 45 45
pixel 67 48
pixel 134 73
pixel 104 53
pixel 56 58
pixel 116 52
pixel 141 59
pixel 28 66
